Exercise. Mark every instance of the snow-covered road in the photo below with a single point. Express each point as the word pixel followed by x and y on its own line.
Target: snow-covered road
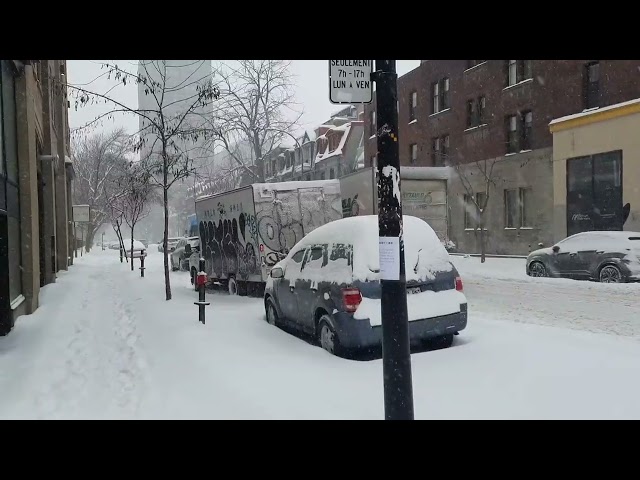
pixel 105 344
pixel 501 290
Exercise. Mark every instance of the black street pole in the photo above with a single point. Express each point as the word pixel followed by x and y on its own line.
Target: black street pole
pixel 396 353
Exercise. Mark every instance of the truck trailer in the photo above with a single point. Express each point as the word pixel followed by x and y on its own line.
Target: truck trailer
pixel 245 232
pixel 424 195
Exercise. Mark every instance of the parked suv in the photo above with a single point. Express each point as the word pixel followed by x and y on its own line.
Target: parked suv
pixel 328 286
pixel 179 257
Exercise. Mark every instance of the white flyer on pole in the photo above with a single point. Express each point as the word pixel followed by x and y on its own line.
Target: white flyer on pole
pixel 389 248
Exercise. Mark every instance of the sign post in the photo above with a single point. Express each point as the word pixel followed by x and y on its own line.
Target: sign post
pixel 81 214
pixel 347 86
pixel 350 81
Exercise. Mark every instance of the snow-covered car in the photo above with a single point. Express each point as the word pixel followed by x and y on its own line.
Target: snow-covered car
pixel 605 256
pixel 171 243
pixel 179 257
pixel 328 286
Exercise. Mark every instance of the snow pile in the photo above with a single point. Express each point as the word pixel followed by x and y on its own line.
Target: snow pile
pixel 419 306
pixel 424 253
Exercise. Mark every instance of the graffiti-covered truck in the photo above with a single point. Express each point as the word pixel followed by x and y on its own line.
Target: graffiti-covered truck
pixel 244 232
pixel 424 195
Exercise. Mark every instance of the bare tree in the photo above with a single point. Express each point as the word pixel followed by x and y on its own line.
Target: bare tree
pixel 170 124
pixel 257 99
pixel 98 161
pixel 477 178
pixel 138 193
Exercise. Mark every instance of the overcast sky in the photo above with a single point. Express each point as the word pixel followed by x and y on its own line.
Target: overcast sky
pixel 311 77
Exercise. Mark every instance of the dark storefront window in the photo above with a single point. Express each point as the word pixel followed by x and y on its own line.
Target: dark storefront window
pixel 9 205
pixel 594 192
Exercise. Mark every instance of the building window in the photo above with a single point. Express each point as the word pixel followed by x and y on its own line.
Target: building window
pixel 413 103
pixel 472 210
pixel 475 112
pixel 332 173
pixel 511 208
pixel 322 176
pixel 594 193
pixel 518 71
pixel 372 122
pixel 526 215
pixel 469 212
pixel 592 85
pixel 519 131
pixel 413 153
pixel 440 150
pixel 440 95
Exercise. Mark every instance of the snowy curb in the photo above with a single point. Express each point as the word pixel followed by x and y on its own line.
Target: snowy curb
pixel 522 257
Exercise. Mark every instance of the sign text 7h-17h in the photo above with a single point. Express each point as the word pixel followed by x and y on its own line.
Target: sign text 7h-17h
pixel 350 81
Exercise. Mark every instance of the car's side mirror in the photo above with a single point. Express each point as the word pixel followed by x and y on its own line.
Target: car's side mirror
pixel 555 249
pixel 277 272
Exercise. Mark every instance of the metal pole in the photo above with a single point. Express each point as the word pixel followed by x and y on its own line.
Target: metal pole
pixel 143 254
pixel 75 239
pixel 81 240
pixel 396 353
pixel 201 281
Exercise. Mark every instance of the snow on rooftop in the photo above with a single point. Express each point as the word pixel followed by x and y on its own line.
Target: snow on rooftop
pixel 594 111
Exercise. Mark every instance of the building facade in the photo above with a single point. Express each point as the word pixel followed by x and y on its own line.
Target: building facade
pixel 332 150
pixel 35 183
pixel 489 120
pixel 596 168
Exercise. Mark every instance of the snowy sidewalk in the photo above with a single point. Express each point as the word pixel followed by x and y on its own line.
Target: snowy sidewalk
pixel 105 344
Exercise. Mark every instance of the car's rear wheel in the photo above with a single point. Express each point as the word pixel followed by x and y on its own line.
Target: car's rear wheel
pixel 537 269
pixel 443 341
pixel 610 274
pixel 272 313
pixel 327 336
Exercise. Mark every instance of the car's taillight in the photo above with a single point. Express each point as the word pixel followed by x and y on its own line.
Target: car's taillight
pixel 351 298
pixel 459 284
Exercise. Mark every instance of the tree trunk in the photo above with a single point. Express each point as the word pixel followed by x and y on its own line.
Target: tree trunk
pixel 165 239
pixel 91 233
pixel 482 239
pixel 131 249
pixel 257 151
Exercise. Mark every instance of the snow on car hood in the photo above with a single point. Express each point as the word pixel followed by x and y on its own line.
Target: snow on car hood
pixel 541 251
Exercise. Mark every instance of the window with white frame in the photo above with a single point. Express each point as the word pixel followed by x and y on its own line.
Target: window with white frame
pixel 440 95
pixel 413 153
pixel 518 71
pixel 413 103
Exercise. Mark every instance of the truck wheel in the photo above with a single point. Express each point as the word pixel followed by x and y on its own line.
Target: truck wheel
pixel 242 288
pixel 232 286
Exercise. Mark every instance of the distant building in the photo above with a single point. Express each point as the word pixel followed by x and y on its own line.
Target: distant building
pixel 596 167
pixel 36 174
pixel 332 150
pixel 469 114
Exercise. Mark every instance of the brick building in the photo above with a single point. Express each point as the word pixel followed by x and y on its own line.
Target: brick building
pixel 35 183
pixel 492 116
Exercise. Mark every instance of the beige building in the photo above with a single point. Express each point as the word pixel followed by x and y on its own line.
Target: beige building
pixel 596 170
pixel 35 183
